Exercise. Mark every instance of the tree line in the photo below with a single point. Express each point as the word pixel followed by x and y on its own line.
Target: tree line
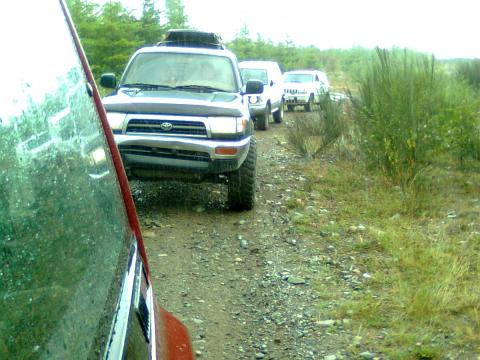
pixel 110 33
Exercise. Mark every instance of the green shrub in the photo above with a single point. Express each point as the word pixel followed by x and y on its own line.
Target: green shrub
pixel 312 133
pixel 333 121
pixel 470 72
pixel 398 110
pixel 461 125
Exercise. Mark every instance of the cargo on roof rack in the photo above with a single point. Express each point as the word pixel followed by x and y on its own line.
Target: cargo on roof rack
pixel 192 38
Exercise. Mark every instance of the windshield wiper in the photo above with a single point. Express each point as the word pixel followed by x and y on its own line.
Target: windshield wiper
pixel 146 86
pixel 198 87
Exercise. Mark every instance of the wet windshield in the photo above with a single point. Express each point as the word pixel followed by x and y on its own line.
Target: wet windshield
pixel 298 78
pixel 181 69
pixel 254 74
pixel 63 243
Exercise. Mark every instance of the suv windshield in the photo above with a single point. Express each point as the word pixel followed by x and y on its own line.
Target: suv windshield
pixel 181 70
pixel 298 78
pixel 64 242
pixel 254 74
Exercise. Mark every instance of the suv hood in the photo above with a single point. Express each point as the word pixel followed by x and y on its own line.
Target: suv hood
pixel 175 102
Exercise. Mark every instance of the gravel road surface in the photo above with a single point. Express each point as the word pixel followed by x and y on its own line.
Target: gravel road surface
pixel 244 283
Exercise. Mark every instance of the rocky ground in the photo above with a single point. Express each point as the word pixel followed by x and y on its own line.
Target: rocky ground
pixel 247 285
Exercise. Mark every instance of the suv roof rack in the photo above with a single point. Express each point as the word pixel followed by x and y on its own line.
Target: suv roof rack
pixel 192 38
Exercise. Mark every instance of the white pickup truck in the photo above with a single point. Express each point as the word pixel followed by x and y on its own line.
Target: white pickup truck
pixel 304 88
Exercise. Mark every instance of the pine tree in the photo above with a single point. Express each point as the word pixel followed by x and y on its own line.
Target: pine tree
pixel 150 31
pixel 176 14
pixel 117 40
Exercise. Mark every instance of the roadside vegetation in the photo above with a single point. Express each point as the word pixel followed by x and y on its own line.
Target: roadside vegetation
pixel 402 206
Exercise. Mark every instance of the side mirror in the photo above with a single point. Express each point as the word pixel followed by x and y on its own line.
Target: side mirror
pixel 108 81
pixel 271 83
pixel 254 87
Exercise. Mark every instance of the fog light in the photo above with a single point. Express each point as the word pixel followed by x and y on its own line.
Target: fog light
pixel 225 151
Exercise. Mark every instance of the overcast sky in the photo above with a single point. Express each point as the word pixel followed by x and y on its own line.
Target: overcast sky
pixel 446 28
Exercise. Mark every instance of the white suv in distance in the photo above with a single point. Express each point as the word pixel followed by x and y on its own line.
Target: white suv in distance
pixel 270 102
pixel 304 87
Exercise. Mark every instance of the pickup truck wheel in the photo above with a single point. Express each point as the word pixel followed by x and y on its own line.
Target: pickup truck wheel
pixel 264 119
pixel 241 183
pixel 309 104
pixel 290 107
pixel 278 115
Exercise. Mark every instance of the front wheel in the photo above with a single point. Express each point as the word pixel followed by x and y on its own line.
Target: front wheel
pixel 241 183
pixel 264 119
pixel 278 115
pixel 290 108
pixel 309 104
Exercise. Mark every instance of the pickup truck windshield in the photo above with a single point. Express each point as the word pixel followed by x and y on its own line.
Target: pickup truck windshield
pixel 64 243
pixel 298 78
pixel 182 70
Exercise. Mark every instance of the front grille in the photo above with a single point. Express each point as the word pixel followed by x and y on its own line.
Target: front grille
pixel 175 128
pixel 291 91
pixel 164 153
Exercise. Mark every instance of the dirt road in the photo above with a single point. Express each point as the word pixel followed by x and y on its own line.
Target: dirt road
pixel 243 283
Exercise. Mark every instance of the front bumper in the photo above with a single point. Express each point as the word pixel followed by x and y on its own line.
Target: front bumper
pixel 296 99
pixel 182 154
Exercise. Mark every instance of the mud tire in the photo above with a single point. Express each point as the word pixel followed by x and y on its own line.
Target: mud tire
pixel 264 119
pixel 278 115
pixel 309 104
pixel 241 183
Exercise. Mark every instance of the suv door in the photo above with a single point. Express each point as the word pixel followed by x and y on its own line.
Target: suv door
pixel 68 244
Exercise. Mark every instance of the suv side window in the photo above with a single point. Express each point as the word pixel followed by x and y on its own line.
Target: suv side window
pixel 316 78
pixel 64 238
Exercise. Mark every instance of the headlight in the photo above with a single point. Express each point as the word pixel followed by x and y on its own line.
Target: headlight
pixel 115 120
pixel 223 125
pixel 254 99
pixel 227 125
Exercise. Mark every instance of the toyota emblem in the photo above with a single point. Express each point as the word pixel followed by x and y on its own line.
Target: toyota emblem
pixel 166 126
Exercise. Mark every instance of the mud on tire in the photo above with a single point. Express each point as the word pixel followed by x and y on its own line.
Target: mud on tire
pixel 241 183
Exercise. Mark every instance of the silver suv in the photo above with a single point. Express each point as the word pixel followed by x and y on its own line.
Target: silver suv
pixel 180 112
